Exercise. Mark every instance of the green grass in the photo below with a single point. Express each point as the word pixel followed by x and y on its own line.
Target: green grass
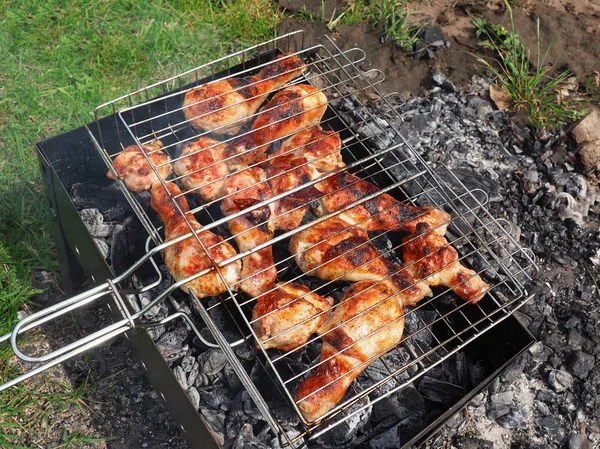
pixel 393 18
pixel 530 88
pixel 60 59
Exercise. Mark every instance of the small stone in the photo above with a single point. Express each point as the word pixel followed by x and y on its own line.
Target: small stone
pixel 588 130
pixel 560 380
pixel 580 363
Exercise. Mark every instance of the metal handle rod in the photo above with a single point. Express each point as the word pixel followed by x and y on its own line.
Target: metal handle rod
pixel 39 369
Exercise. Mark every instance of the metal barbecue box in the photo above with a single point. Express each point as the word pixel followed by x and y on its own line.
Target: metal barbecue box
pixel 444 349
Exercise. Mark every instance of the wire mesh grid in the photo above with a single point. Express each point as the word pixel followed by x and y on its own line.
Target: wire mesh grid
pixel 385 159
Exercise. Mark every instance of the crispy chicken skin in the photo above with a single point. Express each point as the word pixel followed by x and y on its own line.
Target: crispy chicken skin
pixel 367 322
pixel 186 258
pixel 200 168
pixel 135 171
pixel 285 173
pixel 429 257
pixel 321 148
pixel 289 315
pixel 292 109
pixel 382 213
pixel 335 250
pixel 224 106
pixel 242 190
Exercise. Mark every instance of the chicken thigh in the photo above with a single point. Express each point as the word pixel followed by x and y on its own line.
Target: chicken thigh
pixel 367 323
pixel 224 106
pixel 133 168
pixel 286 317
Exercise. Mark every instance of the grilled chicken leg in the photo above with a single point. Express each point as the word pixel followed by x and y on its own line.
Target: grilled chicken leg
pixel 186 258
pixel 201 168
pixel 335 250
pixel 382 213
pixel 224 106
pixel 286 317
pixel 430 258
pixel 133 168
pixel 292 109
pixel 244 189
pixel 367 322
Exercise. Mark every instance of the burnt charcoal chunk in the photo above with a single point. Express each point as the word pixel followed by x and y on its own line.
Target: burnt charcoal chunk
pixel 440 391
pixel 212 361
pixel 560 380
pixel 580 364
pixel 473 443
pixel 386 440
pixel 406 402
pixel 513 419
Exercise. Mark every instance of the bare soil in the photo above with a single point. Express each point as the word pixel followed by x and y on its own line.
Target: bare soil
pixel 572 28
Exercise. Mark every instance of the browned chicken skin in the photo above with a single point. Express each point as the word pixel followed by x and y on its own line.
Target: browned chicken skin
pixel 429 257
pixel 367 322
pixel 289 315
pixel 292 109
pixel 187 257
pixel 133 168
pixel 321 148
pixel 224 106
pixel 335 250
pixel 242 190
pixel 200 168
pixel 382 213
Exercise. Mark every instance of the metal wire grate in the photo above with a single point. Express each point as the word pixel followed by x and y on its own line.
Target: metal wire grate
pixel 383 157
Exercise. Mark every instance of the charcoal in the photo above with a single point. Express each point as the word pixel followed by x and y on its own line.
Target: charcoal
pixel 552 425
pixel 215 397
pixel 247 440
pixel 212 361
pixel 94 223
pixel 231 378
pixel 386 440
pixel 285 415
pixel 194 397
pixel 102 247
pixel 495 410
pixel 216 423
pixel 172 353
pixel 542 408
pixel 180 376
pixel 187 363
pixel 465 442
pixel 106 198
pixel 343 434
pixel 194 372
pixel 250 408
pixel 406 401
pixel 513 419
pixel 560 380
pixel 235 419
pixel 505 398
pixel 283 442
pixel 580 363
pixel 245 351
pixel 374 373
pixel 439 391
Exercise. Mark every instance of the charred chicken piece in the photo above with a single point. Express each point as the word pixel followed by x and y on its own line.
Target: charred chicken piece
pixel 289 315
pixel 321 148
pixel 187 257
pixel 201 169
pixel 367 322
pixel 430 258
pixel 242 190
pixel 292 109
pixel 382 213
pixel 335 250
pixel 133 168
pixel 224 106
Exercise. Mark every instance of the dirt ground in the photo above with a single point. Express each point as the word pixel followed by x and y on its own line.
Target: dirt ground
pixel 572 27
